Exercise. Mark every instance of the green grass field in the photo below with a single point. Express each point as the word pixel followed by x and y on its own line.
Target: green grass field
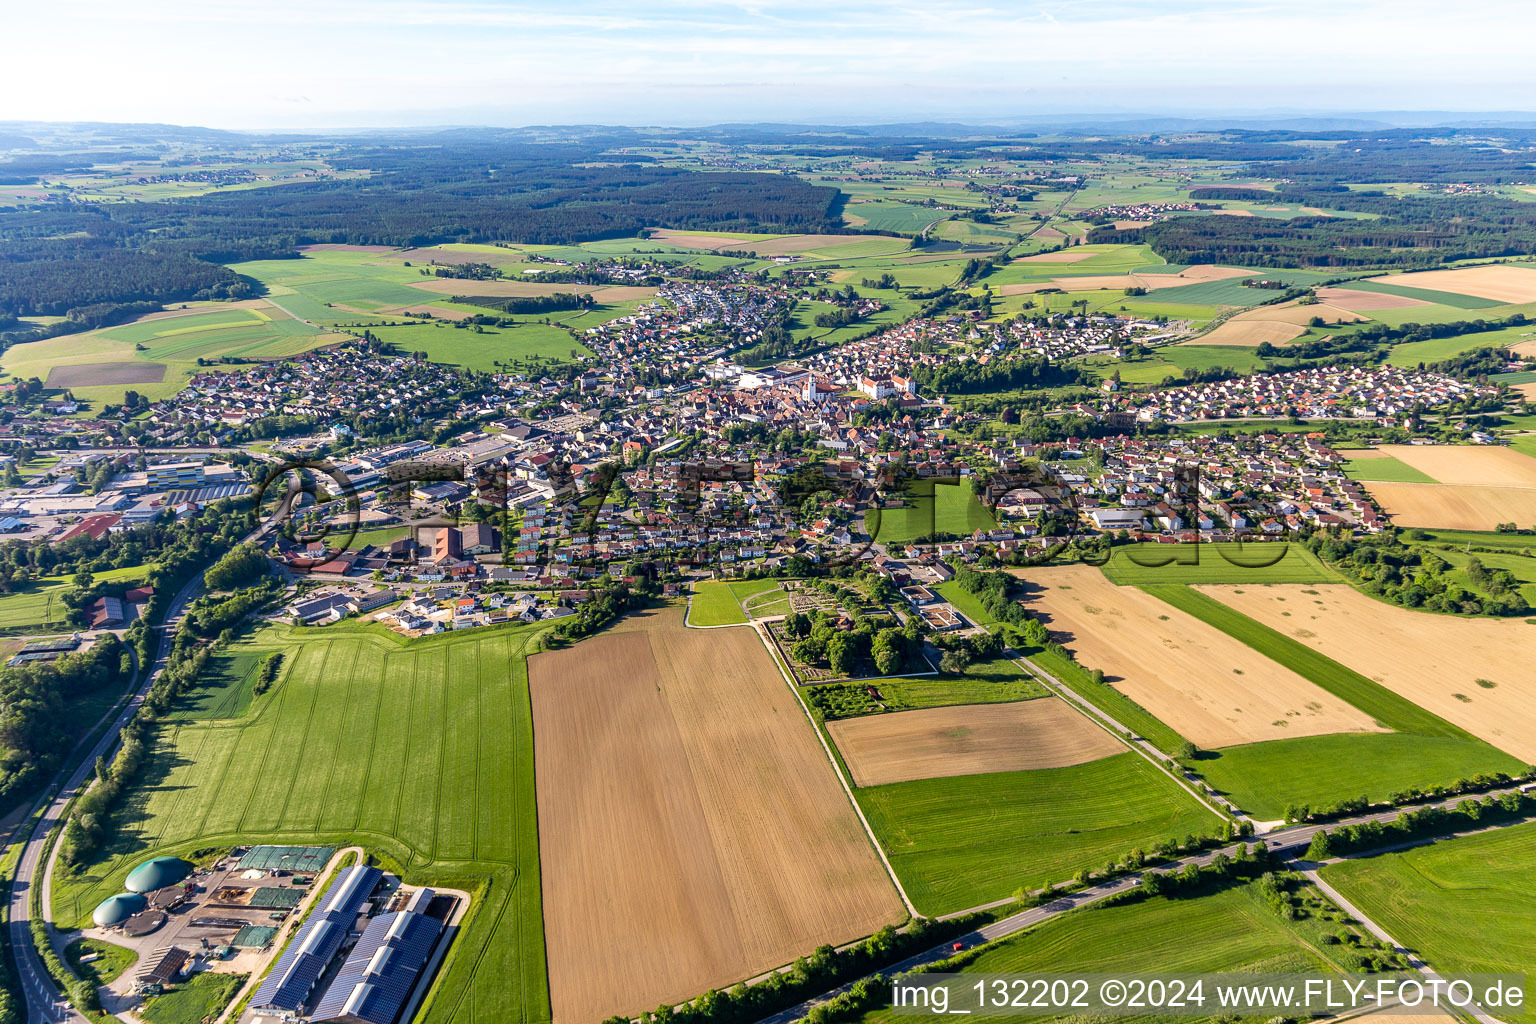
pixel 1465 905
pixel 998 681
pixel 1320 771
pixel 112 960
pixel 193 1001
pixel 1226 930
pixel 38 608
pixel 948 508
pixel 1388 469
pixel 419 750
pixel 959 842
pixel 1225 562
pixel 719 603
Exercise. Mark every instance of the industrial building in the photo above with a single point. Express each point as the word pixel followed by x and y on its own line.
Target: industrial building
pixel 384 967
pixel 289 988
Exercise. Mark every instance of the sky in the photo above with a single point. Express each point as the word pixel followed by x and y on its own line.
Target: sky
pixel 332 64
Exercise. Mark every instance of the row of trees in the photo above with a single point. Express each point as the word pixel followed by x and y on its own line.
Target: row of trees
pixel 1415 576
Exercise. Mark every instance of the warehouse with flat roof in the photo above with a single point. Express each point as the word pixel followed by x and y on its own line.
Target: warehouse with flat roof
pixel 383 968
pixel 289 988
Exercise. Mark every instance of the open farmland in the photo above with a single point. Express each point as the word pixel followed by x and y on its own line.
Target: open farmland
pixel 1227 930
pixel 1464 906
pixel 1275 325
pixel 1210 688
pixel 1467 465
pixel 1499 282
pixel 1455 507
pixel 1470 672
pixel 1357 301
pixel 961 841
pixel 692 830
pixel 1423 750
pixel 419 750
pixel 968 739
pixel 156 354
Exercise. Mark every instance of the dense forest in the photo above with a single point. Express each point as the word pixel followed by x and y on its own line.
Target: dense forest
pixel 63 257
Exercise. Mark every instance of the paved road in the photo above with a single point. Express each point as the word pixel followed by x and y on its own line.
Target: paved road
pixel 44 1004
pixel 1286 843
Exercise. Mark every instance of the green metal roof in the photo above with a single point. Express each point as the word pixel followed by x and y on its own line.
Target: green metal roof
pixel 114 910
pixel 157 874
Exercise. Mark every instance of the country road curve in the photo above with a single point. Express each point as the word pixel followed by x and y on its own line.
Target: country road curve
pixel 44 1004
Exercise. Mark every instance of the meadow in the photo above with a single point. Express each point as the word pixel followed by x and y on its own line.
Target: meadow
pixel 959 842
pixel 1464 904
pixel 1225 930
pixel 1223 562
pixel 37 607
pixel 931 508
pixel 421 751
pixel 719 603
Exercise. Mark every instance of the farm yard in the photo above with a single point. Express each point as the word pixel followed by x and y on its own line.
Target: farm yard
pixel 1208 687
pixel 965 840
pixel 1466 671
pixel 419 750
pixel 692 830
pixel 968 739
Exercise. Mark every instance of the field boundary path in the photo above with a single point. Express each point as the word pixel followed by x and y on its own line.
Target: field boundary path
pixel 1294 839
pixel 1142 746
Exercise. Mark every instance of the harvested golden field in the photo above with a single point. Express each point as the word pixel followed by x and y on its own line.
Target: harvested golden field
pixel 1527 391
pixel 1525 349
pixel 1451 507
pixel 1204 272
pixel 1440 662
pixel 1209 687
pixel 1273 324
pixel 1502 283
pixel 1467 464
pixel 1096 282
pixel 691 829
pixel 1126 225
pixel 1358 301
pixel 1234 213
pixel 969 739
pixel 1249 333
pixel 262 306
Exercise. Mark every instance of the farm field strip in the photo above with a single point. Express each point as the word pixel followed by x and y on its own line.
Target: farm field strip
pixel 962 841
pixel 1435 661
pixel 1210 688
pixel 727 849
pixel 968 739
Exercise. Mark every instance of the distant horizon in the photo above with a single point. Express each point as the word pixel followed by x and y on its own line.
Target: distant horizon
pixel 1040 122
pixel 329 65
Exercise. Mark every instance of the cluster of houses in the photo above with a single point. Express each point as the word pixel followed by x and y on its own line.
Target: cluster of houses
pixel 1385 394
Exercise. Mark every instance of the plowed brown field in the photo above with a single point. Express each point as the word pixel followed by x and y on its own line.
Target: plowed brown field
pixel 971 739
pixel 691 830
